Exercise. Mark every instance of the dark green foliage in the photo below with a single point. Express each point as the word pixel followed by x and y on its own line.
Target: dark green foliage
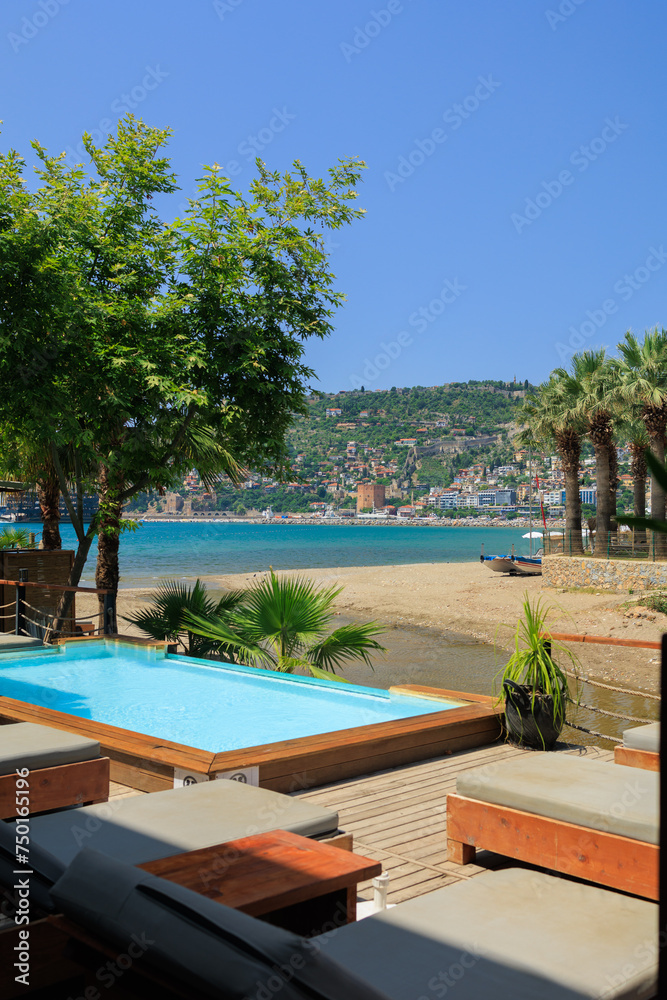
pixel 163 618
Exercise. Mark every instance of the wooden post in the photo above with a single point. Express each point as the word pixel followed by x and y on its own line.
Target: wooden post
pixel 19 625
pixel 109 613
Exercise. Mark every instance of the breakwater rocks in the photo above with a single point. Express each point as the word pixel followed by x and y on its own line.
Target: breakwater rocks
pixel 604 574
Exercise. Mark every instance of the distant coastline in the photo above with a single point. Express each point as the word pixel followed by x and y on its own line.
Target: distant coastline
pixel 415 522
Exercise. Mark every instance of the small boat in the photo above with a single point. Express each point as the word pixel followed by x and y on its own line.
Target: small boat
pixel 527 565
pixel 499 564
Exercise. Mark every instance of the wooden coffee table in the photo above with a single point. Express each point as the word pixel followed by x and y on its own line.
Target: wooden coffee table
pixel 293 882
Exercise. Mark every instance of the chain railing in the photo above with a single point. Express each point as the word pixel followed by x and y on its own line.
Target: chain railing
pixel 43 621
pixel 601 640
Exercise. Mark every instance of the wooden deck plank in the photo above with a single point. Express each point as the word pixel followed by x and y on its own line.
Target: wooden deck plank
pixel 398 816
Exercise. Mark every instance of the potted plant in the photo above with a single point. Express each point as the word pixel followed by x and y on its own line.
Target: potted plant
pixel 534 686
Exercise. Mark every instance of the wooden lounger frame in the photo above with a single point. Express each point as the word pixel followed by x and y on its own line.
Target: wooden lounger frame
pixel 647 760
pixel 81 783
pixel 605 858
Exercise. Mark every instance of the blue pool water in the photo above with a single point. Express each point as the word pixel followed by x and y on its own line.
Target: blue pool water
pixel 199 703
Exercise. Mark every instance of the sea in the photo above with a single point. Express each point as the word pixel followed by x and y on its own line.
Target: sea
pixel 185 550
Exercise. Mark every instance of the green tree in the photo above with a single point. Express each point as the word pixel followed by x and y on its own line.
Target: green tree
pixel 642 371
pixel 553 416
pixel 282 623
pixel 152 349
pixel 590 386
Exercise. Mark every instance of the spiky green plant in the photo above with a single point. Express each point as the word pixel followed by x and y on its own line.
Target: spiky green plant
pixel 282 623
pixel 15 538
pixel 532 663
pixel 163 617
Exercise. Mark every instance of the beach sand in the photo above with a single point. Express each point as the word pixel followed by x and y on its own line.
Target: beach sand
pixel 469 600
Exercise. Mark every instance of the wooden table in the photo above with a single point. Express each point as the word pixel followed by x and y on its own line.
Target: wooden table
pixel 290 881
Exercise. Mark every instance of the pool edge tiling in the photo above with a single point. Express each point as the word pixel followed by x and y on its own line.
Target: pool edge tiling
pixel 150 763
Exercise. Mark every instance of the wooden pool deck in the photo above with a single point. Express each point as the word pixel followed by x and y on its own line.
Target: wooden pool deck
pixel 398 816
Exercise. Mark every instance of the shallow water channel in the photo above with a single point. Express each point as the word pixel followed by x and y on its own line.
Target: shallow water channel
pixel 449 660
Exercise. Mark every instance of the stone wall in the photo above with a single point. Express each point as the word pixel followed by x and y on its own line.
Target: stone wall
pixel 603 574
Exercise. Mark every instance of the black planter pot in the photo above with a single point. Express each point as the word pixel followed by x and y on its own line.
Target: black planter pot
pixel 530 724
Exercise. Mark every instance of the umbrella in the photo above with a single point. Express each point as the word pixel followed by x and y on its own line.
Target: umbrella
pixel 532 534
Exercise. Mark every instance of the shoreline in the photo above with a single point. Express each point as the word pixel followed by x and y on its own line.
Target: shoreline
pixel 416 522
pixel 468 601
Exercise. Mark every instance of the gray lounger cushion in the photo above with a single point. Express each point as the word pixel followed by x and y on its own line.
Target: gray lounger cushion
pixel 643 737
pixel 215 950
pixel 10 642
pixel 26 744
pixel 507 934
pixel 591 793
pixel 143 828
pixel 42 868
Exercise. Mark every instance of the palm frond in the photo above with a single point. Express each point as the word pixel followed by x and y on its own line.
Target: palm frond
pixel 228 641
pixel 349 642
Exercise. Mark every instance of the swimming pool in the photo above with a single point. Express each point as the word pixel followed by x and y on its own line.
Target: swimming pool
pixel 200 703
pixel 163 719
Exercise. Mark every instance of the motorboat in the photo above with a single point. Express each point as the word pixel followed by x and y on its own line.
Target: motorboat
pixel 527 565
pixel 499 564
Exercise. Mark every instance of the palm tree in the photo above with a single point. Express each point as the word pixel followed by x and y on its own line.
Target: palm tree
pixel 282 623
pixel 553 416
pixel 642 373
pixel 590 386
pixel 632 429
pixel 163 617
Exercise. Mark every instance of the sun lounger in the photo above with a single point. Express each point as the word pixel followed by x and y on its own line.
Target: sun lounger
pixel 513 933
pixel 641 747
pixel 573 815
pixel 64 769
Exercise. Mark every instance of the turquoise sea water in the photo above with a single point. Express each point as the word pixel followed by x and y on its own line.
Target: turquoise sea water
pixel 211 706
pixel 186 550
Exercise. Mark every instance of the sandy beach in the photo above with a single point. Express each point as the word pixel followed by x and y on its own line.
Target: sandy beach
pixel 469 600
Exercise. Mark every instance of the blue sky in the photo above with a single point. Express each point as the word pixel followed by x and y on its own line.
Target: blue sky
pixel 515 151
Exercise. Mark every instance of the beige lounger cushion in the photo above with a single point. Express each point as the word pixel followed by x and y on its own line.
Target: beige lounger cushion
pixel 143 828
pixel 590 793
pixel 25 744
pixel 13 642
pixel 507 934
pixel 643 738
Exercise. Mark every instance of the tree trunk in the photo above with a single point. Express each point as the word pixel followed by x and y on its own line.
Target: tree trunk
pixel 569 447
pixel 655 420
pixel 614 483
pixel 600 432
pixel 67 599
pixel 48 493
pixel 107 572
pixel 638 471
